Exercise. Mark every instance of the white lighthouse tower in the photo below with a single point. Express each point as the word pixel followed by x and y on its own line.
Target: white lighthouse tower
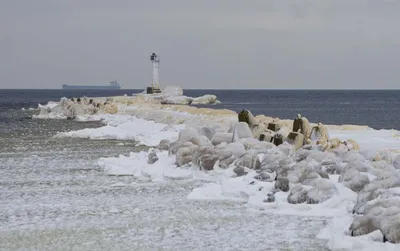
pixel 155 85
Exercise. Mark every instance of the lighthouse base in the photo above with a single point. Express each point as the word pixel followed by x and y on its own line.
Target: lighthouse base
pixel 151 90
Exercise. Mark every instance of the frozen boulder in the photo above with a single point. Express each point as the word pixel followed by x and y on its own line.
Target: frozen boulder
pixel 221 137
pixel 330 167
pixel 249 160
pixel 174 147
pixel 352 157
pixel 386 155
pixel 184 154
pixel 297 195
pixel 152 157
pixel 302 125
pixel 247 117
pixel 241 131
pixel 396 162
pixel 71 113
pixel 354 180
pixel 273 127
pixel 371 155
pixel 164 145
pixel 282 183
pixel 323 190
pixel 296 139
pixel 205 157
pixel 267 136
pixel 207 131
pixel 240 171
pixel 302 154
pixel 286 149
pixel 263 176
pixel 187 134
pixel 200 140
pixel 319 135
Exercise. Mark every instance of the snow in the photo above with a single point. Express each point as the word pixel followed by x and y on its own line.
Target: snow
pixel 125 127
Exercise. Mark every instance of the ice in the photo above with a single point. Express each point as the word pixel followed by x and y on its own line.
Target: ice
pixel 125 127
pixel 370 139
pixel 338 239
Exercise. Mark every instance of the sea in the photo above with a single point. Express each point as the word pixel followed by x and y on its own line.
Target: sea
pixel 54 195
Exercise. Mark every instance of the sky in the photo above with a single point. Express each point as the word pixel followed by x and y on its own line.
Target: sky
pixel 216 44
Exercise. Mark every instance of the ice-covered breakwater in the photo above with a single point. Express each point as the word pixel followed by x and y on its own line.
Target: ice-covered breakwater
pixel 282 166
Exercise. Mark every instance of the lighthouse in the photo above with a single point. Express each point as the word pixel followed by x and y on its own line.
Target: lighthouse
pixel 155 85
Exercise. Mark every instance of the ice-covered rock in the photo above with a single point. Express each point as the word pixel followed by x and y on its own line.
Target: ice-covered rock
pixel 184 154
pixel 163 145
pixel 354 180
pixel 240 131
pixel 250 160
pixel 297 195
pixel 263 176
pixel 324 189
pixel 152 157
pixel 282 183
pixel 205 157
pixel 221 137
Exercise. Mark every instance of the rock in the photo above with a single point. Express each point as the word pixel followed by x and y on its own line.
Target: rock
pixel 241 130
pixel 208 131
pixel 164 145
pixel 296 139
pixel 240 171
pixel 354 180
pixel 270 198
pixel 205 157
pixel 174 147
pixel 309 178
pixel 273 127
pixel 263 176
pixel 270 167
pixel 323 190
pixel 396 162
pixel 188 133
pixel 330 167
pixel 184 155
pixel 297 195
pixel 386 155
pixel 371 155
pixel 249 160
pixel 278 139
pixel 221 137
pixel 152 158
pixel 247 117
pixel 282 184
pixel 71 113
pixel 302 125
pixel 319 135
pixel 352 157
pixel 268 136
pixel 200 140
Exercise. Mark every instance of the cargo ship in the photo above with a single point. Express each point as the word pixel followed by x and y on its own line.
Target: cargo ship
pixel 113 85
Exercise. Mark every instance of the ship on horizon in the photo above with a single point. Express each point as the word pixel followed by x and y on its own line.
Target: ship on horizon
pixel 113 85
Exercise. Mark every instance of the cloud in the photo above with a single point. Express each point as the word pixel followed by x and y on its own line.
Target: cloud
pixel 202 44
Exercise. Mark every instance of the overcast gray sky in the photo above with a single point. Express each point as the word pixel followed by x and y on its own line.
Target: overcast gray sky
pixel 324 44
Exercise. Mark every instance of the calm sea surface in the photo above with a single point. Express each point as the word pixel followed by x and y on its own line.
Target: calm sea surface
pixel 54 196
